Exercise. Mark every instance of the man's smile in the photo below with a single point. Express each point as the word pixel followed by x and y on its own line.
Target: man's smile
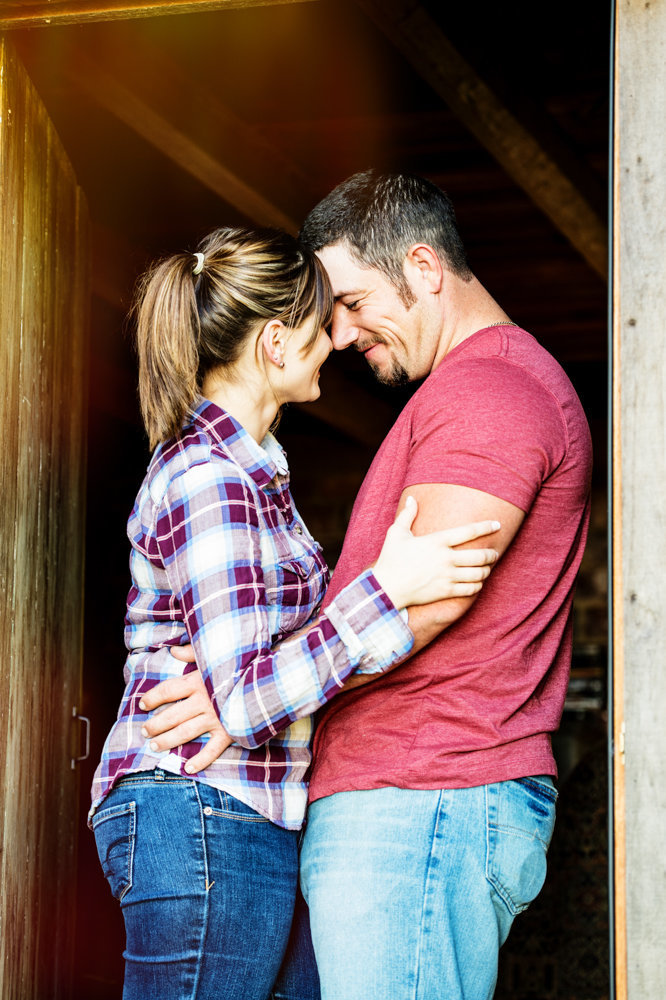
pixel 367 346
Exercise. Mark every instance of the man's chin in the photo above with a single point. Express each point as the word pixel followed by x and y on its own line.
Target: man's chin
pixel 393 374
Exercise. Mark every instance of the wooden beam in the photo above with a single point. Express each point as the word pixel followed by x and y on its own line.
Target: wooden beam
pixel 34 15
pixel 149 122
pixel 639 538
pixel 192 109
pixel 526 159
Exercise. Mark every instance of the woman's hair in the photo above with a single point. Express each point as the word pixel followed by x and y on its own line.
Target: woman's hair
pixel 194 314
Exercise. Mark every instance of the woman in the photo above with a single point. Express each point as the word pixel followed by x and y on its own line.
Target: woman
pixel 205 867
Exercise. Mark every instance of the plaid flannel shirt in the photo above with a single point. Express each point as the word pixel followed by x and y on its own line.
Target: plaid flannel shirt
pixel 220 558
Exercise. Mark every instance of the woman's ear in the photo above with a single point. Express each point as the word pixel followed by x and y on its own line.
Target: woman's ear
pixel 272 341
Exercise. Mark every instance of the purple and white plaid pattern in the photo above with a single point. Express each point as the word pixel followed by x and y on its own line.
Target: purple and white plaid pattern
pixel 221 559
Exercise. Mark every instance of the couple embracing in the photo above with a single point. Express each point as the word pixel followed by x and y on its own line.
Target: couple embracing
pixel 429 780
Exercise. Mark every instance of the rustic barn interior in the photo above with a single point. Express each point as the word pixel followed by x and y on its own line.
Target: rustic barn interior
pixel 252 112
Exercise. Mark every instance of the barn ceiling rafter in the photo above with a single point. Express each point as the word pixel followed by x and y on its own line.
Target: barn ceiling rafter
pixel 536 163
pixel 19 14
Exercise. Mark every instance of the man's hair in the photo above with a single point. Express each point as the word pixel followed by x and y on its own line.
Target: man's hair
pixel 380 216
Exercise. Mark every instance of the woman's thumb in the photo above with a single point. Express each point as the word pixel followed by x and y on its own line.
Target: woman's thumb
pixel 405 519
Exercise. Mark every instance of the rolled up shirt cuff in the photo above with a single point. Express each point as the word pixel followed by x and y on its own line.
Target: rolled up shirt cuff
pixel 371 627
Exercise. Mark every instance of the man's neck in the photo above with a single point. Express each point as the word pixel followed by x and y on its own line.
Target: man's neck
pixel 467 308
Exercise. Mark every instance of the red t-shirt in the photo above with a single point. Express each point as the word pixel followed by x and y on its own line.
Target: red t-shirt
pixel 478 704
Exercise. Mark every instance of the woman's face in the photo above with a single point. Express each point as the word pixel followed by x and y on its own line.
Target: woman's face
pixel 298 381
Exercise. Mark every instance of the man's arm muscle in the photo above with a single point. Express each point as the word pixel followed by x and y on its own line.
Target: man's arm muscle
pixel 442 505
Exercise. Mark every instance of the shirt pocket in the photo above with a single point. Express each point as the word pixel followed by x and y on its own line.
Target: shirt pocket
pixel 300 588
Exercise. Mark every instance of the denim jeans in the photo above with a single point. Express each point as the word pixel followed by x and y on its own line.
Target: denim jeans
pixel 207 889
pixel 411 893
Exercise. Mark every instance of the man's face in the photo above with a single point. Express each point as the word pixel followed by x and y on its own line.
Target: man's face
pixel 370 315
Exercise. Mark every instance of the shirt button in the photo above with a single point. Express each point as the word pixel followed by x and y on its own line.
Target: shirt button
pixel 208 811
pixel 297 528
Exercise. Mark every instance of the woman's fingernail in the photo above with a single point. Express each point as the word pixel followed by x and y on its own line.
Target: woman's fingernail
pixel 154 746
pixel 144 732
pixel 496 526
pixel 142 705
pixel 189 769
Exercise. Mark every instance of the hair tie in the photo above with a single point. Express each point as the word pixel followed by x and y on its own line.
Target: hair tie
pixel 198 267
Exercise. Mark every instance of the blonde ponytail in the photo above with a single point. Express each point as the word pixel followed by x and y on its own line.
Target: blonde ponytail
pixel 167 339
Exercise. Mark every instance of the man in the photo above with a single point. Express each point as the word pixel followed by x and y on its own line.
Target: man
pixel 432 801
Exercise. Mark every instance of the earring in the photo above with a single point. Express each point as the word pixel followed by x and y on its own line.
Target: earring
pixel 278 361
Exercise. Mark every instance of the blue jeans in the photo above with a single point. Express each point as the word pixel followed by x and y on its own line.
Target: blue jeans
pixel 411 893
pixel 207 889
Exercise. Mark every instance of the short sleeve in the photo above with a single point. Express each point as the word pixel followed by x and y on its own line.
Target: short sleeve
pixel 488 424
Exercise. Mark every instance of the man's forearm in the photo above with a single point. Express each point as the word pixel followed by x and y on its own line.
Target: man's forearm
pixel 426 621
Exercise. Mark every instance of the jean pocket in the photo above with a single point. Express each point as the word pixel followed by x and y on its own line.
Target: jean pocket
pixel 115 833
pixel 229 806
pixel 520 821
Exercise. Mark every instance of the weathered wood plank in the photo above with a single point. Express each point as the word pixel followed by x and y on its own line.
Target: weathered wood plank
pixel 12 106
pixel 418 36
pixel 639 515
pixel 41 315
pixel 19 861
pixel 29 15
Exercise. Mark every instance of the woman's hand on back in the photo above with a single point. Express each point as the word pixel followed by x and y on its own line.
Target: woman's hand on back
pixel 420 569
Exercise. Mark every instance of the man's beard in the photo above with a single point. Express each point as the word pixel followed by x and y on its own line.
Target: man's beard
pixel 396 374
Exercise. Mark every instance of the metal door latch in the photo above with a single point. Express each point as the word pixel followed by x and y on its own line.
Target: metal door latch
pixel 86 722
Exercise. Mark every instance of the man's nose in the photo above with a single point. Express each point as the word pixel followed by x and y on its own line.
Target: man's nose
pixel 343 329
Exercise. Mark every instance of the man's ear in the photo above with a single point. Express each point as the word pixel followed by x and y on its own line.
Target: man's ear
pixel 272 341
pixel 423 268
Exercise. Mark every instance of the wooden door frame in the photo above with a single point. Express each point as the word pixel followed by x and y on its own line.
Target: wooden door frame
pixel 616 875
pixel 638 539
pixel 44 269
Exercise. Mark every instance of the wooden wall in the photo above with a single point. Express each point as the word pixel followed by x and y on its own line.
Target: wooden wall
pixel 43 331
pixel 640 497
